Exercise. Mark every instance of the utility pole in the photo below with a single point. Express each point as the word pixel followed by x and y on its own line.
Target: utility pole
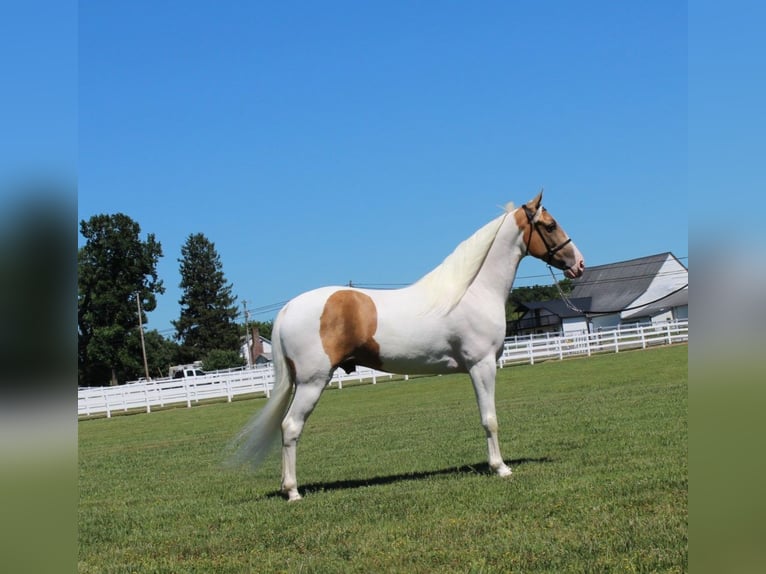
pixel 141 330
pixel 248 353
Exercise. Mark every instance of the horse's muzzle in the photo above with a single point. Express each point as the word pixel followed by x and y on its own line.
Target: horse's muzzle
pixel 575 270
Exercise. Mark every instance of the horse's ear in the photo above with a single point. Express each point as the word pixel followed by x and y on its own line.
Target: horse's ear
pixel 535 203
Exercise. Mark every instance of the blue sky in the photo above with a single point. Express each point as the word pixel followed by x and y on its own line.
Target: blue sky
pixel 318 143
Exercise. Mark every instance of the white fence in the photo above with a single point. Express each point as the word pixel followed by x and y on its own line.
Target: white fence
pixel 234 382
pixel 531 348
pixel 216 385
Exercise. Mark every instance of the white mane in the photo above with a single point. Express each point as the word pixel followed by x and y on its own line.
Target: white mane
pixel 445 285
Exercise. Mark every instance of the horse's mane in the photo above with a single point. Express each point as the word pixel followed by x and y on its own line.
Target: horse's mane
pixel 445 285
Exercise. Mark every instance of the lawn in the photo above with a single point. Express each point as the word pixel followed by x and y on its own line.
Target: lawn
pixel 394 478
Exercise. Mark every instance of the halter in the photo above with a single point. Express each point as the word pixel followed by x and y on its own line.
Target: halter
pixel 550 251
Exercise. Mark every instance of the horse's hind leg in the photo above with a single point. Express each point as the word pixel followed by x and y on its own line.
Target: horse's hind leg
pixel 483 378
pixel 306 396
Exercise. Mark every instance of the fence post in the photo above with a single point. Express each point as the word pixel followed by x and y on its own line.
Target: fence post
pixel 159 393
pixel 616 343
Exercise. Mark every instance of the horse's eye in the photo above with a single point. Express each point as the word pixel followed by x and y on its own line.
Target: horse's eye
pixel 551 227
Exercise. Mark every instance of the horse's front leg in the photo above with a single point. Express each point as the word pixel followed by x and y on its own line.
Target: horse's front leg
pixel 483 378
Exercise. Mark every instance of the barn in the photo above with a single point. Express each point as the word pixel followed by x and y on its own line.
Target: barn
pixel 646 290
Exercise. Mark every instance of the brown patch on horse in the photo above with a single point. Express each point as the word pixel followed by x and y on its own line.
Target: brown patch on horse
pixel 535 244
pixel 347 328
pixel 523 223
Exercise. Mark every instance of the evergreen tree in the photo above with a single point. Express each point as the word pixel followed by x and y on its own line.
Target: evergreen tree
pixel 113 268
pixel 208 309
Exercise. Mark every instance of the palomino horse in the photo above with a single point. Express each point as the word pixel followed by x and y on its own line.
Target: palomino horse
pixel 451 321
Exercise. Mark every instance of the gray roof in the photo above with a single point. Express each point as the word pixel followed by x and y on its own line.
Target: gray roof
pixel 606 289
pixel 614 286
pixel 558 307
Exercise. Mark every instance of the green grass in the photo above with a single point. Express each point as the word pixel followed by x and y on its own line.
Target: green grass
pixel 395 479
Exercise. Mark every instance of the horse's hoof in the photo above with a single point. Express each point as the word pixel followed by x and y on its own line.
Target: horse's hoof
pixel 293 496
pixel 504 471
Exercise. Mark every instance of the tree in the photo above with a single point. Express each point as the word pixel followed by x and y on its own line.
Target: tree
pixel 161 353
pixel 114 267
pixel 219 359
pixel 208 307
pixel 264 328
pixel 534 293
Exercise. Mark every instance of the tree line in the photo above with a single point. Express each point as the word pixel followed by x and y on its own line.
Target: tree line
pixel 118 284
pixel 520 295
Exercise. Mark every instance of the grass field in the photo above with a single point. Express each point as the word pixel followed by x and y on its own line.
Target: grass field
pixel 395 479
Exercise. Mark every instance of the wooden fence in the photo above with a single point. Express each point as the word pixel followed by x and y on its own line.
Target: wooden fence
pixel 233 382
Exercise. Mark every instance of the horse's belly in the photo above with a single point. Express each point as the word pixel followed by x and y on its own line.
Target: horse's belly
pixel 403 366
pixel 407 357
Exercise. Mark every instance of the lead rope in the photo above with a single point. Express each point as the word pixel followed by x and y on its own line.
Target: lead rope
pixel 564 298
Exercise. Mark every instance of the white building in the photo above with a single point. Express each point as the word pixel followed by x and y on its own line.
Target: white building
pixel 255 349
pixel 652 289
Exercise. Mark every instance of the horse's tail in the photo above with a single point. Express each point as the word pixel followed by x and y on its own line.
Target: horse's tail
pixel 259 435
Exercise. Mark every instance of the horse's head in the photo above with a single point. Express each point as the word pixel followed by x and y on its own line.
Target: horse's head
pixel 546 240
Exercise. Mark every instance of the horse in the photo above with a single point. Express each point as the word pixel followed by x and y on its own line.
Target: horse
pixel 452 320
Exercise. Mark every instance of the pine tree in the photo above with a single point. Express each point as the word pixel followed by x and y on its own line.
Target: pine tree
pixel 208 309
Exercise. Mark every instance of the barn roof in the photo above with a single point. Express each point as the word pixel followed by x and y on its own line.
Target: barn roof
pixel 615 285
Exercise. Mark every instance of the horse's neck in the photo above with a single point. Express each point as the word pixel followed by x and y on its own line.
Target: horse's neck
pixel 499 269
pixel 487 272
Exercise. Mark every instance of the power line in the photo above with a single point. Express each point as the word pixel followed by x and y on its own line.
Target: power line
pixel 543 276
pixel 273 307
pixel 628 279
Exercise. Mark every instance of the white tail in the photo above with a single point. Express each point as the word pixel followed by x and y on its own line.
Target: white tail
pixel 259 435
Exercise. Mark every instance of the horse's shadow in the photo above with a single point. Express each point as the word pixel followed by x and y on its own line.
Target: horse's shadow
pixel 476 469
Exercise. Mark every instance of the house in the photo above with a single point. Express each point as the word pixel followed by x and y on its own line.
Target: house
pixel 550 316
pixel 256 350
pixel 646 290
